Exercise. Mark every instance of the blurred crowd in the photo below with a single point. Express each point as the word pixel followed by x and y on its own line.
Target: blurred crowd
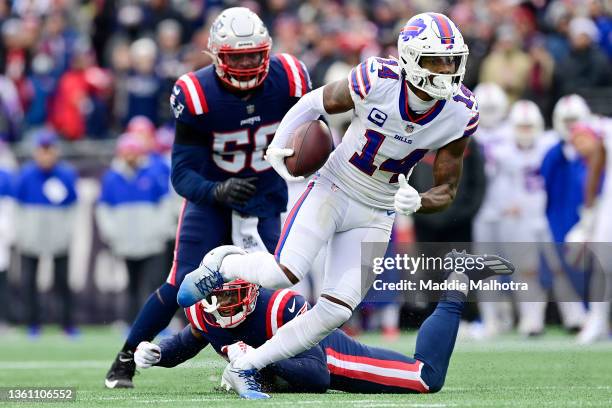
pixel 86 68
pixel 71 71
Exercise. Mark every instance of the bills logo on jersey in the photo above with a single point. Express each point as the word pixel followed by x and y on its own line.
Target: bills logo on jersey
pixel 413 28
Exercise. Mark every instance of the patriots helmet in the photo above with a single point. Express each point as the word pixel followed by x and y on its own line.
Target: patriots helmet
pixel 569 110
pixel 229 305
pixel 429 37
pixel 240 46
pixel 527 123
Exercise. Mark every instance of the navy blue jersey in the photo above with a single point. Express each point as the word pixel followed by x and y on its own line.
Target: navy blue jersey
pixel 236 128
pixel 272 310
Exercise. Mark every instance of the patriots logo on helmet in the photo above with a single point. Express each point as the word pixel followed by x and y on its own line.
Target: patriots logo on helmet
pixel 412 29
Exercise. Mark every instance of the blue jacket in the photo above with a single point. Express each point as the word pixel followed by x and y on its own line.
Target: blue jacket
pixel 46 202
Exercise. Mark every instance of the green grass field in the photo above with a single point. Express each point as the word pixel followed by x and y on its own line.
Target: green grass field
pixel 550 371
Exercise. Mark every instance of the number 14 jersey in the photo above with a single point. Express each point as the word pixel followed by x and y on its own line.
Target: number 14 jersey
pixel 386 137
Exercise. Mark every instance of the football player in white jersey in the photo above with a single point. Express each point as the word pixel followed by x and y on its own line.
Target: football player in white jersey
pixel 403 108
pixel 522 205
pixel 496 316
pixel 593 140
pixel 569 110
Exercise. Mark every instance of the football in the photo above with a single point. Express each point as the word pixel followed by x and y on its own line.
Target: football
pixel 311 143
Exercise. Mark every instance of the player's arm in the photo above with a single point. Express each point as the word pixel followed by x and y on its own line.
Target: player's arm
pixel 583 230
pixel 596 165
pixel 446 173
pixel 171 351
pixel 189 152
pixel 331 98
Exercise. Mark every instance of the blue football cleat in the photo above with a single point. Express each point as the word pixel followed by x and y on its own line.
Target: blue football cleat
pixel 244 382
pixel 198 284
pixel 491 265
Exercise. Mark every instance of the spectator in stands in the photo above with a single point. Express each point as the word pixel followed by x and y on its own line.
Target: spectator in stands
pixel 80 105
pixel 142 128
pixel 57 41
pixel 131 218
pixel 45 192
pixel 586 66
pixel 42 83
pixel 10 111
pixel 144 87
pixel 169 65
pixel 506 57
pixel 15 56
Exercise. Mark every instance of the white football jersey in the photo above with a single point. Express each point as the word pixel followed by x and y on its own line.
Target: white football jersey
pixel 603 226
pixel 488 140
pixel 520 187
pixel 386 137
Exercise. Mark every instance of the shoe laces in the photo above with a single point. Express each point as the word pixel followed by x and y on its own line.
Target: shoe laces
pixel 210 282
pixel 251 378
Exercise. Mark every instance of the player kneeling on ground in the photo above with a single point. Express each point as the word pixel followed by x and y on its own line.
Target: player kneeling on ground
pixel 241 315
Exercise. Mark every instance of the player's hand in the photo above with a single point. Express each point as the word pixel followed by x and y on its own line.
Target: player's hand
pixel 407 199
pixel 147 354
pixel 581 232
pixel 236 350
pixel 276 157
pixel 235 191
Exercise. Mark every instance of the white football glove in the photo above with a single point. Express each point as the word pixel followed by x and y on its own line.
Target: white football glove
pixel 407 199
pixel 581 232
pixel 236 350
pixel 276 157
pixel 578 236
pixel 147 354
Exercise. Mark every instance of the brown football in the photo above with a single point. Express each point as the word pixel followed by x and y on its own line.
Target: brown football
pixel 311 143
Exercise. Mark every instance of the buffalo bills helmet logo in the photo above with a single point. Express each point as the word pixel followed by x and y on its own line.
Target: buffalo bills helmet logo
pixel 412 29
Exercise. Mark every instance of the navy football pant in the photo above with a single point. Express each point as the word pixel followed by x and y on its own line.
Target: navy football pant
pixel 355 367
pixel 200 229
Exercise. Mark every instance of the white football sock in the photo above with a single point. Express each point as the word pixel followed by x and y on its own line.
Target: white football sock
pixel 260 268
pixel 296 336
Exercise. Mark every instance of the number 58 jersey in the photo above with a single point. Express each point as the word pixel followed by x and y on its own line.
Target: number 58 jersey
pixel 386 137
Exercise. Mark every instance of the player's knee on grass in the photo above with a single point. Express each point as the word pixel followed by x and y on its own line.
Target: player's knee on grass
pixel 434 379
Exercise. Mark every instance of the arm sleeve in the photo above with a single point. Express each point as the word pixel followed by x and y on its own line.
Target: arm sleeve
pixel 306 372
pixel 188 154
pixel 309 107
pixel 180 348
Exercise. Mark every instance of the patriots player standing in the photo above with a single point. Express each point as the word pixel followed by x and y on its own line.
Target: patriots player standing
pixel 403 108
pixel 226 115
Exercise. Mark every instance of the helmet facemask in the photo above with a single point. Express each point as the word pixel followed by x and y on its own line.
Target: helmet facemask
pixel 230 305
pixel 437 85
pixel 243 68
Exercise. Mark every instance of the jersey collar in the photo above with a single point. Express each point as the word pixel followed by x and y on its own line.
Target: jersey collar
pixel 411 116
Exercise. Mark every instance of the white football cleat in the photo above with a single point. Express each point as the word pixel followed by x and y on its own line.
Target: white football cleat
pixel 199 283
pixel 244 382
pixel 596 328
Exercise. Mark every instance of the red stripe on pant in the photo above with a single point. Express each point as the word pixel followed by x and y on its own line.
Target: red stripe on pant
pixel 172 276
pixel 289 221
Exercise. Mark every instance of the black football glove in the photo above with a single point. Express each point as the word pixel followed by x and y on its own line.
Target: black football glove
pixel 235 191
